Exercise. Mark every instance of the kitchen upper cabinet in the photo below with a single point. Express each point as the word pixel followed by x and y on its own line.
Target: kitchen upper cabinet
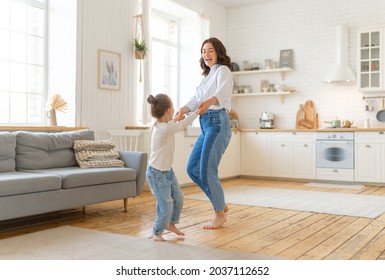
pixel 256 154
pixel 369 157
pixel 294 155
pixel 370 69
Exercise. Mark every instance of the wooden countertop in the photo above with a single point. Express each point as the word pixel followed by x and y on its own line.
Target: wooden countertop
pixel 353 129
pixel 40 128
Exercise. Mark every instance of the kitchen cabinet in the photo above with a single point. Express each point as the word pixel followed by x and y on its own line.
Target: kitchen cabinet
pixel 183 148
pixel 335 174
pixel 278 154
pixel 370 59
pixel 294 155
pixel 256 154
pixel 230 165
pixel 370 156
pixel 255 84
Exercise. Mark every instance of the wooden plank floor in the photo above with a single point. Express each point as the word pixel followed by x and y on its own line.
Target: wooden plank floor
pixel 281 233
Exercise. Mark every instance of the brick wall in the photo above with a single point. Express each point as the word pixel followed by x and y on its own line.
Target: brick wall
pixel 259 31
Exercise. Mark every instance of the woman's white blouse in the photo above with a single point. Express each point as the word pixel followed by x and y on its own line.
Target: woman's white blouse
pixel 219 83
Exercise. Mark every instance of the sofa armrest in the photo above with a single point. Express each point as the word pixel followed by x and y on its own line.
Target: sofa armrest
pixel 138 162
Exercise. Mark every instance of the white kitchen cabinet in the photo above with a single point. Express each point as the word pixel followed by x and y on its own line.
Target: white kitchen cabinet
pixel 370 157
pixel 183 148
pixel 230 165
pixel 370 67
pixel 256 154
pixel 335 174
pixel 281 159
pixel 304 160
pixel 294 155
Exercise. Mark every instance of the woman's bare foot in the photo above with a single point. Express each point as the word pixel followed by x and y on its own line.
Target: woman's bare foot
pixel 158 238
pixel 226 208
pixel 218 220
pixel 174 229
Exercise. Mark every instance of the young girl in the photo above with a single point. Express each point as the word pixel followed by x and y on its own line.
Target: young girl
pixel 160 176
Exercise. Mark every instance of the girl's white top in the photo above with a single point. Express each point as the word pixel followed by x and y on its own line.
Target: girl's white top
pixel 219 83
pixel 163 142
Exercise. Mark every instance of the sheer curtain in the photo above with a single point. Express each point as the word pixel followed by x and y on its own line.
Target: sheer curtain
pixel 146 10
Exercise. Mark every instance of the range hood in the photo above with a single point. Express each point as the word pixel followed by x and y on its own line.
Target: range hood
pixel 342 71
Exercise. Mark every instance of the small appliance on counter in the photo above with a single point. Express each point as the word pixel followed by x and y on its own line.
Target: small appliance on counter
pixel 266 120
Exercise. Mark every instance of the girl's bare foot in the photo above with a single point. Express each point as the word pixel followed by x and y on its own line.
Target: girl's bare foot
pixel 158 238
pixel 174 229
pixel 218 220
pixel 226 208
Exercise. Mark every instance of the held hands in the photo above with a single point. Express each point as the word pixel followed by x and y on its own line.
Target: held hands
pixel 205 105
pixel 200 111
pixel 178 117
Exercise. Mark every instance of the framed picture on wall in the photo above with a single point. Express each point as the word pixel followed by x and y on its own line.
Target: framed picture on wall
pixel 109 70
pixel 286 59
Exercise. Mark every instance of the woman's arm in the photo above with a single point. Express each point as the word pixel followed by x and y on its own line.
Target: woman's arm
pixel 207 103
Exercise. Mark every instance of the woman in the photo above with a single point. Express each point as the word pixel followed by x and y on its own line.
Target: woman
pixel 213 96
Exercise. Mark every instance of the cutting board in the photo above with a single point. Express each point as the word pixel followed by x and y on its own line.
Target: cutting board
pixel 306 116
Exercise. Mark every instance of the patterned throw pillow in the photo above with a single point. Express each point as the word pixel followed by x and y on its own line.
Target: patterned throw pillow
pixel 99 153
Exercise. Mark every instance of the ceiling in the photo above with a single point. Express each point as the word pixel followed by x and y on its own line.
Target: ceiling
pixel 233 3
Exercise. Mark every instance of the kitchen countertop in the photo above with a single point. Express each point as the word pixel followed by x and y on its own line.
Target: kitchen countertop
pixel 353 129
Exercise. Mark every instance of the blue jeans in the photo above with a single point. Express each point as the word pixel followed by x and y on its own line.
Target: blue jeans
pixel 206 155
pixel 169 198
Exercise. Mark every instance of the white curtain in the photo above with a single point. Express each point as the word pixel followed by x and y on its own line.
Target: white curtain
pixel 146 13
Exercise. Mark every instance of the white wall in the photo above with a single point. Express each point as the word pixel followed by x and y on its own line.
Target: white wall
pixel 261 30
pixel 216 14
pixel 108 25
pixel 105 24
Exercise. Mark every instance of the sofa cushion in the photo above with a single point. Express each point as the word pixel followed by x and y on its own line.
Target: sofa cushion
pixel 99 153
pixel 73 177
pixel 40 150
pixel 7 151
pixel 14 183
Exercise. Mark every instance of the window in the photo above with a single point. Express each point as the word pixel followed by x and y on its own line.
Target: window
pixel 22 61
pixel 176 34
pixel 165 60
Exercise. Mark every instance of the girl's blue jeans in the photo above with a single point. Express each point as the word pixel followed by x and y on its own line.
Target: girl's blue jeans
pixel 206 155
pixel 169 198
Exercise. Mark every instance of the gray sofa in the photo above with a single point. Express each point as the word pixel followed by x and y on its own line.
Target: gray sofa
pixel 39 174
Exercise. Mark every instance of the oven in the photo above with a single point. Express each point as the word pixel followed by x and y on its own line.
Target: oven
pixel 335 150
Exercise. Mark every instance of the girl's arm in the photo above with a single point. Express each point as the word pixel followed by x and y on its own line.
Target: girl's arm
pixel 182 111
pixel 174 127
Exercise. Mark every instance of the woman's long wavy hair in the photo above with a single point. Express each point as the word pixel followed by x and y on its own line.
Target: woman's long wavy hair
pixel 220 49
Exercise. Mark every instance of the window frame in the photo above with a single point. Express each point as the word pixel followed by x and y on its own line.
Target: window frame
pixel 44 6
pixel 176 45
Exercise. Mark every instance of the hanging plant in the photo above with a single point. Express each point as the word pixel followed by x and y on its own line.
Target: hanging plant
pixel 140 49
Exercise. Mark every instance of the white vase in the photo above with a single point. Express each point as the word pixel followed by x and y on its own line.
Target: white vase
pixel 52 117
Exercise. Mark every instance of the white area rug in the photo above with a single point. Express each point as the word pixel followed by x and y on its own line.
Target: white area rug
pixel 368 206
pixel 71 243
pixel 334 186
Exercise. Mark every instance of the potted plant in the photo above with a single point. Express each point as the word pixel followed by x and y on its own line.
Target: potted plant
pixel 140 48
